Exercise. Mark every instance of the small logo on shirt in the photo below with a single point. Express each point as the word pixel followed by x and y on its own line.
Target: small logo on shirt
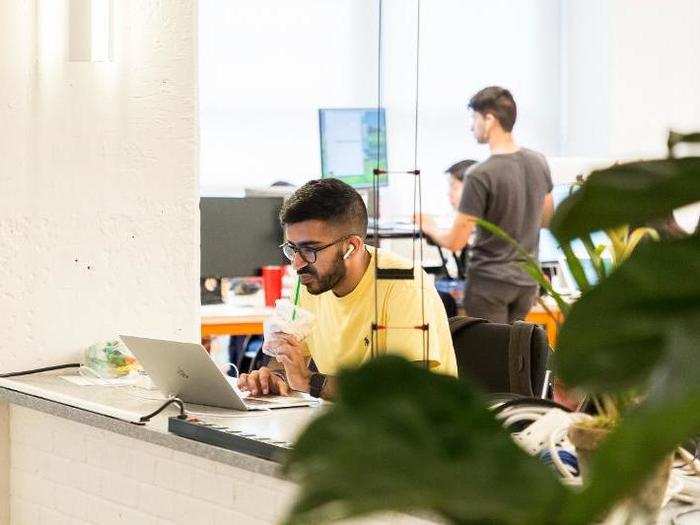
pixel 366 341
pixel 182 373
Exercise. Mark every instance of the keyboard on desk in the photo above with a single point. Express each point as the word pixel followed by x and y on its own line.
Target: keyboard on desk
pixel 273 400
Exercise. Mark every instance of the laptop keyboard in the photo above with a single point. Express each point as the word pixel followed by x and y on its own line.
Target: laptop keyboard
pixel 274 400
pixel 293 399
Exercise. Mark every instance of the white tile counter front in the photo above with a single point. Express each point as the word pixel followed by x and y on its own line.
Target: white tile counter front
pixel 72 465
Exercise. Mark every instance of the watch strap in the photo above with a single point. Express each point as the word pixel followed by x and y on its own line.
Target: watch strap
pixel 316 384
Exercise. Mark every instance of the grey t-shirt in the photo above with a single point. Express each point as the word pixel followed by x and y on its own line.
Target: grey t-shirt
pixel 507 190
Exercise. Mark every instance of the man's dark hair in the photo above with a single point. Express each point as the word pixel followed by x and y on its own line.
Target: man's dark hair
pixel 497 101
pixel 329 200
pixel 458 169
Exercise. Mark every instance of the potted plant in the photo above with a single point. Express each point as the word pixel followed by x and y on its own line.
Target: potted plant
pixel 587 434
pixel 401 438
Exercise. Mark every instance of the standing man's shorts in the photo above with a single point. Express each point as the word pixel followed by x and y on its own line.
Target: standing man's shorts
pixel 497 301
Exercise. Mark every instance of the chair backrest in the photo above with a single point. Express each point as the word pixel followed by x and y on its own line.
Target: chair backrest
pixel 501 357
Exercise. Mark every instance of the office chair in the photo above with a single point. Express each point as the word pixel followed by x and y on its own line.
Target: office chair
pixel 501 358
pixel 449 303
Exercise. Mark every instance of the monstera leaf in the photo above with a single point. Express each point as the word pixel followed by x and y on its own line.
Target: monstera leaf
pixel 402 438
pixel 629 193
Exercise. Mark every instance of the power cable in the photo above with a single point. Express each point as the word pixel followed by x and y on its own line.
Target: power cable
pixel 38 370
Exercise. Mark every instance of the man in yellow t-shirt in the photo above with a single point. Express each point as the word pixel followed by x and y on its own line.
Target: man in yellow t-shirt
pixel 325 224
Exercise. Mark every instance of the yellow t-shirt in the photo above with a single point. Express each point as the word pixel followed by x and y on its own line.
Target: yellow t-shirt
pixel 342 334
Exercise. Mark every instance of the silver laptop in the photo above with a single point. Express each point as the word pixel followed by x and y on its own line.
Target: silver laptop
pixel 186 370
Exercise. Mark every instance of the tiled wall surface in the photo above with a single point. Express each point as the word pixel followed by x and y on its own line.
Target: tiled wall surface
pixel 64 472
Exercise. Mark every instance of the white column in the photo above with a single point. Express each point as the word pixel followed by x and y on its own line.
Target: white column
pixel 4 464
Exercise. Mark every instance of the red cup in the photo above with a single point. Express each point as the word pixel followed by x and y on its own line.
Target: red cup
pixel 272 282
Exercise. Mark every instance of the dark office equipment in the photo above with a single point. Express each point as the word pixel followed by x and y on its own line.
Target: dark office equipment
pixel 210 290
pixel 228 438
pixel 501 357
pixel 245 351
pixel 239 235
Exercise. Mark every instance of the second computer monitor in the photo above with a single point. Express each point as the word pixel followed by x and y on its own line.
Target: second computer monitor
pixel 353 144
pixel 239 235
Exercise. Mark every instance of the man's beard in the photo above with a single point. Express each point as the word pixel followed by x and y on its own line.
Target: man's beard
pixel 323 283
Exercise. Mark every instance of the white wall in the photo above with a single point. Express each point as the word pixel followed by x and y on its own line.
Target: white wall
pixel 61 474
pixel 594 79
pixel 98 207
pixel 655 78
pixel 98 189
pixel 267 66
pixel 465 46
pixel 631 75
pixel 5 464
pixel 585 115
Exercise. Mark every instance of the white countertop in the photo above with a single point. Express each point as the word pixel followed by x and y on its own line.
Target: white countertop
pixel 118 409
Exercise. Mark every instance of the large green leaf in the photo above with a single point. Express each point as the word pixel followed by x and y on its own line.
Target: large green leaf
pixel 629 193
pixel 670 415
pixel 675 138
pixel 402 438
pixel 621 330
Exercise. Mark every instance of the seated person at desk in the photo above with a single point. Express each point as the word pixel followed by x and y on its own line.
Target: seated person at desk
pixel 325 223
pixel 456 173
pixel 511 189
pixel 454 194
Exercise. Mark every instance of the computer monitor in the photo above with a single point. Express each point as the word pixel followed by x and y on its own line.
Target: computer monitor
pixel 353 144
pixel 549 251
pixel 551 254
pixel 239 235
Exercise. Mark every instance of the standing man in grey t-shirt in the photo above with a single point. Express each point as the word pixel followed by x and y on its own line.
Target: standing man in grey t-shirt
pixel 511 189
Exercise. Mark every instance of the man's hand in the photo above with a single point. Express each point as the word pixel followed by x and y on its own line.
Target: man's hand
pixel 454 238
pixel 263 382
pixel 290 353
pixel 425 222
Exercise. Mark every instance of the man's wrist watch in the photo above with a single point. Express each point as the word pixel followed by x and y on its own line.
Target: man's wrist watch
pixel 316 383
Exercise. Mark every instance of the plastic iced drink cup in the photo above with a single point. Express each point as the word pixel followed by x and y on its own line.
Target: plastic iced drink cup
pixel 287 319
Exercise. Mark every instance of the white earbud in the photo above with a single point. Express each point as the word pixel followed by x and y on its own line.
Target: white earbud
pixel 349 252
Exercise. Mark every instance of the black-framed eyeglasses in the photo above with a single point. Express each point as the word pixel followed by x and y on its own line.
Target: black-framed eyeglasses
pixel 307 253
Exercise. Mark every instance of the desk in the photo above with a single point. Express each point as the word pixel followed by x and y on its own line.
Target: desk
pixel 541 317
pixel 227 319
pixel 409 234
pixel 401 233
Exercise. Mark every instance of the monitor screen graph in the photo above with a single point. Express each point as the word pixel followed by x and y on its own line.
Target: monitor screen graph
pixel 353 144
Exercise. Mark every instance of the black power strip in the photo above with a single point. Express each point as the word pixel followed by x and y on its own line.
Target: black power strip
pixel 229 438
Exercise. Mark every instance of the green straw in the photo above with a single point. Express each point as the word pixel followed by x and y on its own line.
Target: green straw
pixel 297 289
